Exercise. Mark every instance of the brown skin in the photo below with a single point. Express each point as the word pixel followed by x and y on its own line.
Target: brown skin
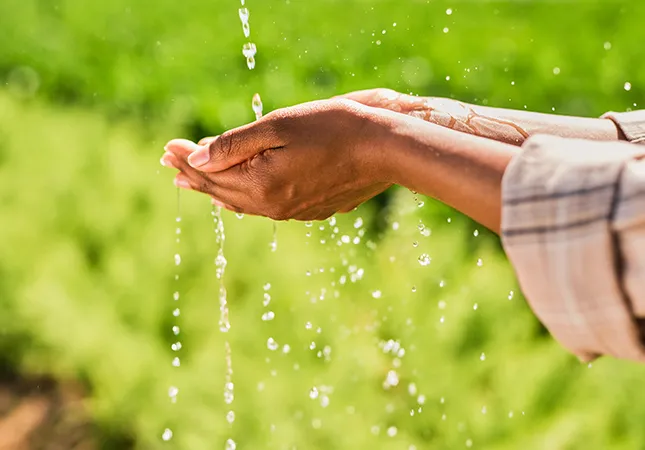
pixel 310 161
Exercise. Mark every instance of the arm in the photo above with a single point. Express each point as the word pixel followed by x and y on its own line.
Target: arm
pixel 504 125
pixel 310 161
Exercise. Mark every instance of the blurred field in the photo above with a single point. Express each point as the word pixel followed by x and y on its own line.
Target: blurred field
pixel 90 92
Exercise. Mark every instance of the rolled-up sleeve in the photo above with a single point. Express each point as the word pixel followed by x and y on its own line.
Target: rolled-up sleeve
pixel 573 226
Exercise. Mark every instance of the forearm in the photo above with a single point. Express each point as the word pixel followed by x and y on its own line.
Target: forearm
pixel 514 127
pixel 510 126
pixel 462 170
pixel 504 125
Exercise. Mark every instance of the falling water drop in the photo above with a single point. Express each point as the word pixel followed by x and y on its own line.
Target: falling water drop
pixel 167 434
pixel 272 344
pixel 249 51
pixel 424 259
pixel 256 104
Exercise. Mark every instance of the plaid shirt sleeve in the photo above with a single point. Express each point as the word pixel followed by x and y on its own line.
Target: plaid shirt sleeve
pixel 573 226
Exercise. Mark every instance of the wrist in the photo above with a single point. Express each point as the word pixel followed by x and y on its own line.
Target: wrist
pixel 380 147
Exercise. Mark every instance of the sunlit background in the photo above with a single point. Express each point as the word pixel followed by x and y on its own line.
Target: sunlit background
pixel 410 325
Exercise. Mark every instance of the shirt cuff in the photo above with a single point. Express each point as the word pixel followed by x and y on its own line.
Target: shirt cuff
pixel 559 197
pixel 632 124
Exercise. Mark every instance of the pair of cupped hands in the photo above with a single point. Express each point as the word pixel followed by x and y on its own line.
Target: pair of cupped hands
pixel 304 162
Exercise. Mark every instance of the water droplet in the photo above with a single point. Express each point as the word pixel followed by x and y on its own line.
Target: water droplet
pixel 176 362
pixel 267 286
pixel 358 223
pixel 230 416
pixel 476 233
pixel 249 51
pixel 424 259
pixel 267 299
pixel 415 244
pixel 244 14
pixel 176 312
pixel 475 306
pixel 345 239
pixel 175 330
pixel 510 295
pixel 376 294
pixel 286 348
pixel 313 393
pixel 173 391
pixel 392 379
pixel 175 296
pixel 230 444
pixel 480 262
pixel 469 443
pixel 446 29
pixel 176 346
pixel 167 434
pixel 412 389
pixel 395 226
pixel 482 357
pixel 442 283
pixel 607 45
pixel 391 432
pixel 556 71
pixel 308 326
pixel 272 344
pixel 449 11
pixel 257 106
pixel 421 399
pixel 269 315
pixel 177 259
pixel 628 86
pixel 414 288
pixel 483 409
pixel 324 401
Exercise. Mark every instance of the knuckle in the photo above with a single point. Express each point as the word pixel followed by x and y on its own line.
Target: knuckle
pixel 223 146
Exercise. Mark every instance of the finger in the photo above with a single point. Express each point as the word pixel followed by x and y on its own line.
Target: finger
pixel 219 203
pixel 196 182
pixel 169 160
pixel 206 140
pixel 182 148
pixel 372 97
pixel 237 145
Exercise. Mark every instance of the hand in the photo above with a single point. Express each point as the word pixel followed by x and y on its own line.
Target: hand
pixel 445 112
pixel 306 162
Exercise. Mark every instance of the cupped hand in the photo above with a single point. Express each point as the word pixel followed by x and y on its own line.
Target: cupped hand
pixel 306 162
pixel 445 112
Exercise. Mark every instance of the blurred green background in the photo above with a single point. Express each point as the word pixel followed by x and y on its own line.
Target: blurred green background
pixel 90 92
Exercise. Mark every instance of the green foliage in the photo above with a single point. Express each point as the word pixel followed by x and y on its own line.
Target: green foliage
pixel 91 92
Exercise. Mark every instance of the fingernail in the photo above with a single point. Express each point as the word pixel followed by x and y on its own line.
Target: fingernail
pixel 165 161
pixel 199 158
pixel 182 183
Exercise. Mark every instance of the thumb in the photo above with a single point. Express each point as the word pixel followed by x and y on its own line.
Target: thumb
pixel 235 146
